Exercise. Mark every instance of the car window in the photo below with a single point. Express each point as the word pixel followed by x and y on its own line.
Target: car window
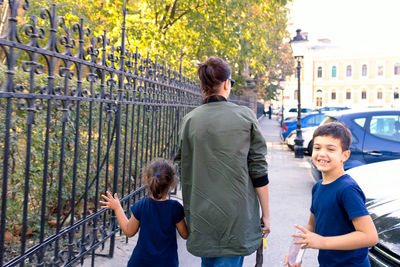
pixel 316 120
pixel 360 121
pixel 386 127
pixel 293 110
pixel 305 110
pixel 354 139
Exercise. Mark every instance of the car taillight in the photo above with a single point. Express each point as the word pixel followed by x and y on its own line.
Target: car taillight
pixel 285 127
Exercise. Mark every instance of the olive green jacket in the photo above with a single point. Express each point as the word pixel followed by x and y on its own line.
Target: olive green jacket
pixel 221 154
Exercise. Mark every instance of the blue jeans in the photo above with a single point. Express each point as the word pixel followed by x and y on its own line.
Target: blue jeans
pixel 222 262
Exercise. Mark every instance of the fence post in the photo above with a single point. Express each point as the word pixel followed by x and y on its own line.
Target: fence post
pixel 118 122
pixel 11 60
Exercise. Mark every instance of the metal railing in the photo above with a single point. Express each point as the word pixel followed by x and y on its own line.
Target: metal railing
pixel 78 116
pixel 239 99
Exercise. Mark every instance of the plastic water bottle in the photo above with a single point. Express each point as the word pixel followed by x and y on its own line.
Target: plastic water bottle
pixel 295 251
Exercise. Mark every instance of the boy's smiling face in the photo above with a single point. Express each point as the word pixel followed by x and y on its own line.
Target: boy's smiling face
pixel 329 157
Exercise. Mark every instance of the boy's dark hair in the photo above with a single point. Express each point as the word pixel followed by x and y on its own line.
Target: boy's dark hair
pixel 212 72
pixel 336 130
pixel 161 174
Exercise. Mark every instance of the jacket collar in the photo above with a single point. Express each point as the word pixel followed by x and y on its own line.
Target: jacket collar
pixel 214 98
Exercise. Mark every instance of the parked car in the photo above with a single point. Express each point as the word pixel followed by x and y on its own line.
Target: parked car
pixel 330 108
pixel 307 134
pixel 380 183
pixel 291 113
pixel 277 111
pixel 310 120
pixel 375 132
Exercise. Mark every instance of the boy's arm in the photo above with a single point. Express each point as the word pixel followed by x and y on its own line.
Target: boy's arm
pixel 365 235
pixel 311 223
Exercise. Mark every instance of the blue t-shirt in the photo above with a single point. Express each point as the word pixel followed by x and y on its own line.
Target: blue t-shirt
pixel 156 245
pixel 334 205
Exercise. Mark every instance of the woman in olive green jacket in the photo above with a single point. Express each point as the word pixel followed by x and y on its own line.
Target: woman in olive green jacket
pixel 223 171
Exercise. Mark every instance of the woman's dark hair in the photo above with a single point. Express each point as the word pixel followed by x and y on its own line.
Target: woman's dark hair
pixel 336 130
pixel 212 72
pixel 160 174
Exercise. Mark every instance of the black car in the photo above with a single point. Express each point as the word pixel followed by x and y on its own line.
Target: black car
pixel 376 136
pixel 380 183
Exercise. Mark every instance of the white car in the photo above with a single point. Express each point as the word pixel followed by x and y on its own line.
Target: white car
pixel 291 113
pixel 307 134
pixel 380 183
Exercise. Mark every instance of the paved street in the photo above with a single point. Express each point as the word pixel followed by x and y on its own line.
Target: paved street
pixel 290 196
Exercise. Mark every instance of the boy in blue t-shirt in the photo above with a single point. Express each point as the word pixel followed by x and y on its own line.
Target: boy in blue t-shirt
pixel 339 225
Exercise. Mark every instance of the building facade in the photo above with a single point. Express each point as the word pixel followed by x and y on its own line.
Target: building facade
pixel 332 76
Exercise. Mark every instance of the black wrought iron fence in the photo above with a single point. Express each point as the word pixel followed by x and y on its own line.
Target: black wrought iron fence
pixel 78 116
pixel 239 99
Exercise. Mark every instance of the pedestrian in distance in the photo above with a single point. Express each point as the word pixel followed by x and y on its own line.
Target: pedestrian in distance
pixel 339 224
pixel 223 170
pixel 270 111
pixel 156 216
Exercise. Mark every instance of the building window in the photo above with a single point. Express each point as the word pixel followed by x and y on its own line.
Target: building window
pixel 364 94
pixel 318 100
pixel 397 69
pixel 348 94
pixel 319 74
pixel 364 70
pixel 379 94
pixel 380 70
pixel 333 95
pixel 348 71
pixel 396 93
pixel 334 71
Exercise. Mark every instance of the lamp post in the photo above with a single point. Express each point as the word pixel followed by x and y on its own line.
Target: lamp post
pixel 298 45
pixel 282 108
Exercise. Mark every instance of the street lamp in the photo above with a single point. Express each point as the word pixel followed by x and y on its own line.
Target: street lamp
pixel 298 44
pixel 282 108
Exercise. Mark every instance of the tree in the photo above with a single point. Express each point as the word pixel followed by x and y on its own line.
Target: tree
pixel 247 34
pixel 278 67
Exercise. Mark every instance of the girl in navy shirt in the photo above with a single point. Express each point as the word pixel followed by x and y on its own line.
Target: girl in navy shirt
pixel 157 216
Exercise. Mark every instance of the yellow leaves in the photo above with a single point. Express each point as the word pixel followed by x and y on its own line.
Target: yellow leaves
pixel 16 130
pixel 247 35
pixel 234 29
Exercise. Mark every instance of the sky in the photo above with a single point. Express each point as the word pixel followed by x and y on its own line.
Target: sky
pixel 352 23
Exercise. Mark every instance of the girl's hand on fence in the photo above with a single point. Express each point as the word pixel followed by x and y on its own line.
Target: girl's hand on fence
pixel 110 201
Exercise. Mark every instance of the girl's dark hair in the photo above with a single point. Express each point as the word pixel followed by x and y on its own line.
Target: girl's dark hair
pixel 336 130
pixel 212 72
pixel 160 174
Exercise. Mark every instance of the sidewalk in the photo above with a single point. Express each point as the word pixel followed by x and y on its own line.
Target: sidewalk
pixel 290 194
